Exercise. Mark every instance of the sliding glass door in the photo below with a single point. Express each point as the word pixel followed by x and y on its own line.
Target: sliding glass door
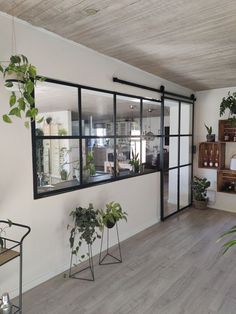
pixel 177 156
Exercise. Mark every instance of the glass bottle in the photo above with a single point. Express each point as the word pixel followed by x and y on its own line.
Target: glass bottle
pixel 234 138
pixel 205 159
pixel 226 137
pixel 211 163
pixel 217 159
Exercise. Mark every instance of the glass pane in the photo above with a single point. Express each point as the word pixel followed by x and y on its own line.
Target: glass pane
pixel 151 118
pixel 58 104
pixel 173 152
pixel 171 116
pixel 57 164
pixel 127 116
pixel 185 150
pixel 128 155
pixel 185 186
pixel 98 159
pixel 170 191
pixel 151 154
pixel 186 118
pixel 97 113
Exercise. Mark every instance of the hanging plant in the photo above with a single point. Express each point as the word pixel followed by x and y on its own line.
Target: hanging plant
pixel 20 77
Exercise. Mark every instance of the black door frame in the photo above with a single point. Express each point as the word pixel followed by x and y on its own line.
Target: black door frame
pixel 191 102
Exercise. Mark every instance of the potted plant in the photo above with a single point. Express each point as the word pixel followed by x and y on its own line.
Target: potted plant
pixel 111 215
pixel 199 188
pixel 210 137
pixel 229 103
pixel 3 232
pixel 89 168
pixel 230 243
pixel 134 162
pixel 86 222
pixel 20 77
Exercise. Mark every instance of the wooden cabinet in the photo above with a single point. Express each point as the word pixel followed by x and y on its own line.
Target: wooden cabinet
pixel 227 131
pixel 226 181
pixel 211 155
pixel 226 178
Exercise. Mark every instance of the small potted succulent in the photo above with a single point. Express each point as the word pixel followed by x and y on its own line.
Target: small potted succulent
pixel 210 137
pixel 229 103
pixel 135 162
pixel 20 78
pixel 112 213
pixel 2 233
pixel 86 222
pixel 199 188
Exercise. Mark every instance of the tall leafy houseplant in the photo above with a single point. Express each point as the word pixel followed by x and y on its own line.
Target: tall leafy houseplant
pixel 112 213
pixel 199 188
pixel 22 75
pixel 229 103
pixel 135 162
pixel 85 227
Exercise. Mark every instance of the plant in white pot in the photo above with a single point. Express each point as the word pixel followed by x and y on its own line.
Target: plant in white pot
pixel 20 78
pixel 199 188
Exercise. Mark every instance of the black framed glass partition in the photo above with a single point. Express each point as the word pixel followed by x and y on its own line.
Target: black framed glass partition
pixel 177 172
pixel 91 136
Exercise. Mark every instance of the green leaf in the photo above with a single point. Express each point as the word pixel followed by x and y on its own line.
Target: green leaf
pixel 6 118
pixel 15 112
pixel 40 120
pixel 29 86
pixel 26 124
pixel 1 68
pixel 15 59
pixel 29 98
pixel 28 114
pixel 32 71
pixel 34 112
pixel 8 84
pixel 21 103
pixel 12 100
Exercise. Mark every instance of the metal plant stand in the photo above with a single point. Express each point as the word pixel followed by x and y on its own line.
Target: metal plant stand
pixel 75 274
pixel 12 250
pixel 116 260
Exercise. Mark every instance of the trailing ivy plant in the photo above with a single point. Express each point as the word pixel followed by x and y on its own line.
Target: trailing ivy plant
pixel 86 222
pixel 21 102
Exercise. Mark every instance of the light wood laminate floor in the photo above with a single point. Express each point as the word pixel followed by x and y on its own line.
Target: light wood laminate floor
pixel 173 267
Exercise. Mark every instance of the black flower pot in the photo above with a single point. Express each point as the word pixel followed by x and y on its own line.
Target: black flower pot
pixel 210 137
pixel 110 224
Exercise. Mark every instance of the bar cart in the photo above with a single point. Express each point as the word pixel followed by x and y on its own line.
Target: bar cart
pixel 12 249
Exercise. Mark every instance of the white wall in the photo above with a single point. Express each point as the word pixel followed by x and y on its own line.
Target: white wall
pixel 207 111
pixel 46 250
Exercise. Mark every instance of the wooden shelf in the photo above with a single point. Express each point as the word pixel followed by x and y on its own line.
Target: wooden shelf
pixel 226 181
pixel 7 255
pixel 207 147
pixel 226 127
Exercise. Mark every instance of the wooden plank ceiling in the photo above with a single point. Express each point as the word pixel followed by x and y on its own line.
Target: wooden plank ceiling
pixel 192 43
